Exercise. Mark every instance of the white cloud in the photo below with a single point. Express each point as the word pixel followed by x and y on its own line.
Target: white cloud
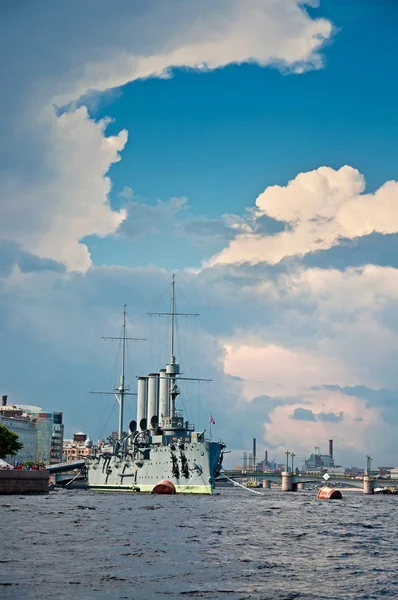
pixel 127 192
pixel 277 371
pixel 352 435
pixel 71 201
pixel 327 328
pixel 143 219
pixel 54 186
pixel 320 207
pixel 205 36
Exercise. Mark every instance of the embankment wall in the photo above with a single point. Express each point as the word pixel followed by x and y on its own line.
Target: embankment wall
pixel 24 482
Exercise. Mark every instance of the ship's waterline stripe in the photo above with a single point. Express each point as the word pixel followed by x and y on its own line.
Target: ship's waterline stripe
pixel 180 489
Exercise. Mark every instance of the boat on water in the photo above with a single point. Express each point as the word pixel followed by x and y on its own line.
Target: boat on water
pixel 385 490
pixel 161 446
pixel 254 484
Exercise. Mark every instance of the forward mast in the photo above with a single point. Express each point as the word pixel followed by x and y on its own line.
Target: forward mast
pixel 122 390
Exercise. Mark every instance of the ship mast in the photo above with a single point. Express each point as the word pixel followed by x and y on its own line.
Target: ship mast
pixel 122 390
pixel 172 371
pixel 173 314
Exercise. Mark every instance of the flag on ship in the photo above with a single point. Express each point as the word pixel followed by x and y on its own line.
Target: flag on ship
pixel 212 421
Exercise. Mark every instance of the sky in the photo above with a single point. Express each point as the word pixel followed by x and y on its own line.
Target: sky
pixel 250 147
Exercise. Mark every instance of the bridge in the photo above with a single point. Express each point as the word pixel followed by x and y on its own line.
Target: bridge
pixel 65 466
pixel 291 482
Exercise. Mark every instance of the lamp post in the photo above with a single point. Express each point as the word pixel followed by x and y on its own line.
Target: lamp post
pixel 287 460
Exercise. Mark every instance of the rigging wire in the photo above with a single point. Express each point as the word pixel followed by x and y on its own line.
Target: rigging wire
pixel 242 486
pixel 181 293
pixel 197 402
pixel 207 401
pixel 129 408
pixel 159 299
pixel 108 419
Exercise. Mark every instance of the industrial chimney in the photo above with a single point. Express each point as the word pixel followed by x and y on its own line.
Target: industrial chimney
pixel 331 448
pixel 4 400
pixel 254 454
pixel 266 459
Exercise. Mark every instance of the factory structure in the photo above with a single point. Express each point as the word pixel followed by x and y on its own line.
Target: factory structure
pixel 316 463
pixel 249 461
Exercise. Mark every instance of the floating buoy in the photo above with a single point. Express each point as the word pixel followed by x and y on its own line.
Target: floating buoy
pixel 327 493
pixel 164 487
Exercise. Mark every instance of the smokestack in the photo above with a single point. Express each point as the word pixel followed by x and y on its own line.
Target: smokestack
pixel 142 401
pixel 266 458
pixel 331 448
pixel 153 397
pixel 254 454
pixel 164 384
pixel 4 400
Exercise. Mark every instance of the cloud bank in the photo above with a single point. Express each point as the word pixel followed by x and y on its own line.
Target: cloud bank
pixel 54 166
pixel 319 209
pixel 299 353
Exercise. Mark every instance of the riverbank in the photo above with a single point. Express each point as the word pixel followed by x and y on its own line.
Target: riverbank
pixel 23 482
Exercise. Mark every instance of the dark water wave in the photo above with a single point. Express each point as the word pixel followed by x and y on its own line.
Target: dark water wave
pixel 233 545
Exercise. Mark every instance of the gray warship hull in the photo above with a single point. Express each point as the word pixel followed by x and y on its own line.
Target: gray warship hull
pixel 192 468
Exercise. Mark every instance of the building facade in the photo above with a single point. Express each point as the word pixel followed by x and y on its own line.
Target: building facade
pixel 78 447
pixel 57 438
pixel 27 434
pixel 48 431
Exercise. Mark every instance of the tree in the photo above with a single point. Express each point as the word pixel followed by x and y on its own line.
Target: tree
pixel 9 444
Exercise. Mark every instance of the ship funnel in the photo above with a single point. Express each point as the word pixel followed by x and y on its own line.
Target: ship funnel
pixel 142 399
pixel 4 400
pixel 153 397
pixel 163 396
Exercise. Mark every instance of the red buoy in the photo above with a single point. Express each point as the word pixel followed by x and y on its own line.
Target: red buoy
pixel 164 487
pixel 327 493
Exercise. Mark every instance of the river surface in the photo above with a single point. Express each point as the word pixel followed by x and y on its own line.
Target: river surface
pixel 233 545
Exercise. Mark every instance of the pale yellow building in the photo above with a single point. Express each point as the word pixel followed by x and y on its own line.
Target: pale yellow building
pixel 79 447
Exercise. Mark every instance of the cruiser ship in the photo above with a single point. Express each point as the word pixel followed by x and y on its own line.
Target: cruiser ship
pixel 161 447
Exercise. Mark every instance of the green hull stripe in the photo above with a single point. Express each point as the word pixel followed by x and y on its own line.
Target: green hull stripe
pixel 180 489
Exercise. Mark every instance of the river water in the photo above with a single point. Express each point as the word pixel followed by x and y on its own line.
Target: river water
pixel 233 545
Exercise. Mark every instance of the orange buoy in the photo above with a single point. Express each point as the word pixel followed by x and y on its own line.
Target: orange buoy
pixel 164 487
pixel 327 493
